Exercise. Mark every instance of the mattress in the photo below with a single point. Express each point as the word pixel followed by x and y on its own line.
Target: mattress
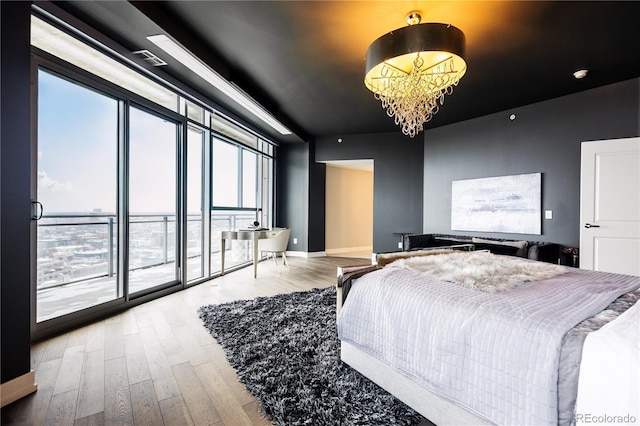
pixel 496 355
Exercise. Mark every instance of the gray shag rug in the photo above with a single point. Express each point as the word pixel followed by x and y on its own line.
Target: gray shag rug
pixel 286 352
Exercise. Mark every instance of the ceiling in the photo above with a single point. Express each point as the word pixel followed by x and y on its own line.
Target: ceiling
pixel 304 60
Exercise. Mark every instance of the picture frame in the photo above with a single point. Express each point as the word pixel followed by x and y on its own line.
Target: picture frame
pixel 508 204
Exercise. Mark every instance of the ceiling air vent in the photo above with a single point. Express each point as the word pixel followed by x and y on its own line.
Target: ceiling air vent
pixel 150 58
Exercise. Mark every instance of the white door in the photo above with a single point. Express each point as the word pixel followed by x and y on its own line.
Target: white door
pixel 610 206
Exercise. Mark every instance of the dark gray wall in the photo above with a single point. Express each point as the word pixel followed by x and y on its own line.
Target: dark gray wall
pixel 397 180
pixel 545 137
pixel 292 193
pixel 317 201
pixel 300 195
pixel 15 202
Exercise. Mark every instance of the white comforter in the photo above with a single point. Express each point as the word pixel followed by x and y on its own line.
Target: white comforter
pixel 494 354
pixel 609 392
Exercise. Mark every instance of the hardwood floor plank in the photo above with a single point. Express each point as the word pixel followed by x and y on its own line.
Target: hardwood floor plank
pixel 146 410
pixel 78 337
pixel 166 387
pixel 93 420
pixel 227 406
pixel 62 409
pixel 156 359
pixel 113 339
pixel 32 409
pixel 117 397
pixel 18 412
pixel 95 337
pixel 190 346
pixel 172 316
pixel 46 377
pixel 254 413
pixel 173 351
pixel 156 363
pixel 198 331
pixel 137 362
pixel 163 329
pixel 91 394
pixel 55 347
pixel 129 323
pixel 175 412
pixel 37 354
pixel 197 400
pixel 71 370
pixel 144 318
pixel 219 360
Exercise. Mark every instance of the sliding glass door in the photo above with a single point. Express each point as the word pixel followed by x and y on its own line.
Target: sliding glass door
pixel 76 187
pixel 152 196
pixel 79 258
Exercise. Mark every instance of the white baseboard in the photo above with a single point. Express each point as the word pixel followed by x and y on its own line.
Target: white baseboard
pixel 306 254
pixel 17 388
pixel 317 254
pixel 348 250
pixel 330 252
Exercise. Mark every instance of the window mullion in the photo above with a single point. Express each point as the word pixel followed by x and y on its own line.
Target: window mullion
pixel 239 177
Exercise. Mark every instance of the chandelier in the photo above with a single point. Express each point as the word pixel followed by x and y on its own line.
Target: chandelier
pixel 411 69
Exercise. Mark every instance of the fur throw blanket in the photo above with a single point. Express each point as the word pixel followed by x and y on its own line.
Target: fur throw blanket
pixel 383 259
pixel 480 270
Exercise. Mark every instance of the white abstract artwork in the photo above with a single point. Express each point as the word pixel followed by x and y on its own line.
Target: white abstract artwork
pixel 510 204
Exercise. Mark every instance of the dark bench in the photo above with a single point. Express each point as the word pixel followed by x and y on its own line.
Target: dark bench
pixel 535 250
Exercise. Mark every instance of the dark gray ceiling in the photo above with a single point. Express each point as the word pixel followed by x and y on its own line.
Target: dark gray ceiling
pixel 304 60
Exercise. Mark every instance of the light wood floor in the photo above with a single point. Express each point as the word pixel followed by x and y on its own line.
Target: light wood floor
pixel 155 364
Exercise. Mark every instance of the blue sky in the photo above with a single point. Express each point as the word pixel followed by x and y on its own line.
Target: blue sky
pixel 77 147
pixel 77 152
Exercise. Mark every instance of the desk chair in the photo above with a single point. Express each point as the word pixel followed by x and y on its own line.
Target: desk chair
pixel 276 243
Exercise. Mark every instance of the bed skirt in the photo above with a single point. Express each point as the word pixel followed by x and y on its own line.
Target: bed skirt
pixel 435 408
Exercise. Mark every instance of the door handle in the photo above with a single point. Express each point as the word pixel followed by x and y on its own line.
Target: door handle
pixel 34 210
pixel 588 225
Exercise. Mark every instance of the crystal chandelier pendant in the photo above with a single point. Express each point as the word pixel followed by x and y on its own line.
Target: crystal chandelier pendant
pixel 410 70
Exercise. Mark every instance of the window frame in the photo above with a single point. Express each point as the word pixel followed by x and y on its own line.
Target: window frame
pixel 265 149
pixel 241 149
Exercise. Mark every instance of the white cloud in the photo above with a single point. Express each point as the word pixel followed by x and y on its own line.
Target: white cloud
pixel 50 184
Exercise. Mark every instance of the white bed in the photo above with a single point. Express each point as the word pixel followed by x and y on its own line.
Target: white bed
pixel 442 406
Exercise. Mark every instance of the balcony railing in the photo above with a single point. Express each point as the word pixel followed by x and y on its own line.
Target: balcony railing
pixel 75 248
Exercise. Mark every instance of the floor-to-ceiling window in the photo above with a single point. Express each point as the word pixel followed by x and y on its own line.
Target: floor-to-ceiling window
pixel 77 180
pixel 133 182
pixel 152 200
pixel 106 198
pixel 195 175
pixel 227 195
pixel 242 181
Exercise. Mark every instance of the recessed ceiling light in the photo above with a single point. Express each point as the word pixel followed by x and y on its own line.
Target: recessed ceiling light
pixel 580 74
